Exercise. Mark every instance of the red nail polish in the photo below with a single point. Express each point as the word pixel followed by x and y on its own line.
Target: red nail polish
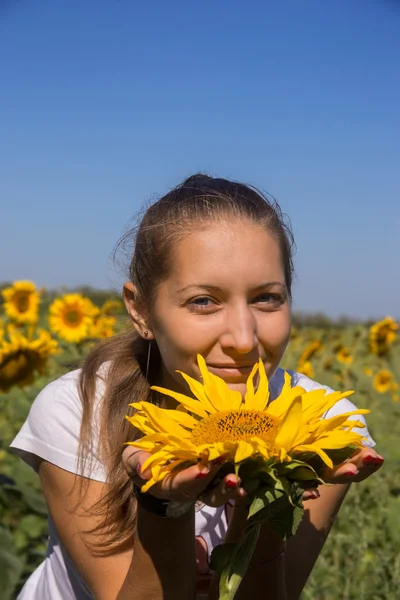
pixel 369 460
pixel 231 484
pixel 202 474
pixel 350 473
pixel 379 461
pixel 139 470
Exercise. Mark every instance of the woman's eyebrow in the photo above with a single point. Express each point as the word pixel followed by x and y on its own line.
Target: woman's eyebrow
pixel 216 288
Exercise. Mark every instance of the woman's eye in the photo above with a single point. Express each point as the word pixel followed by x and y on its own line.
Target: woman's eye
pixel 270 299
pixel 201 302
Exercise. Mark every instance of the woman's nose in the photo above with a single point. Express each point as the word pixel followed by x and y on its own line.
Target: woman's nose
pixel 240 331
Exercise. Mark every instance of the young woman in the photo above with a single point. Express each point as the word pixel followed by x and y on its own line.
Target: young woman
pixel 211 274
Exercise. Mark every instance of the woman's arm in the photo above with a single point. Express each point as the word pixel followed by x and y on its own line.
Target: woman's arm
pixel 304 548
pixel 158 564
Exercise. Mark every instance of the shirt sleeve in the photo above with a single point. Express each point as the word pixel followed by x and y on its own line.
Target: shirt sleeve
pixel 341 407
pixel 52 428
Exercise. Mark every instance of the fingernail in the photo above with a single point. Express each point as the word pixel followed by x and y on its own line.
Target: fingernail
pixel 350 473
pixel 231 484
pixel 315 494
pixel 139 469
pixel 379 460
pixel 202 474
pixel 368 460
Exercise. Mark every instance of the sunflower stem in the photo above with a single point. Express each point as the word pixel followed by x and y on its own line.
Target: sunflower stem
pixel 234 572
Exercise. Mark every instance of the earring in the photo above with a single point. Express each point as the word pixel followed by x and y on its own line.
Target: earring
pixel 148 360
pixel 145 333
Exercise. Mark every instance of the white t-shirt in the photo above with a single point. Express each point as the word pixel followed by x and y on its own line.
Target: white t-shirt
pixel 51 432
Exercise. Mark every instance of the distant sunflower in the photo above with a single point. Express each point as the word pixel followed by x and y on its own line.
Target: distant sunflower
pixel 22 358
pixel 344 355
pixel 305 367
pixel 112 307
pixel 21 302
pixel 383 381
pixel 313 348
pixel 382 335
pixel 368 371
pixel 219 422
pixel 72 316
pixel 102 327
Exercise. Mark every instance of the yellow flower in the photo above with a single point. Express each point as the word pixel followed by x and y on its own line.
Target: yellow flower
pixel 71 317
pixel 310 351
pixel 21 302
pixel 382 335
pixel 344 355
pixel 305 368
pixel 111 307
pixel 368 371
pixel 21 358
pixel 219 422
pixel 382 381
pixel 102 327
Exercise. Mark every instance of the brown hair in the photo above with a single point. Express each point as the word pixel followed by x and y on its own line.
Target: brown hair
pixel 198 200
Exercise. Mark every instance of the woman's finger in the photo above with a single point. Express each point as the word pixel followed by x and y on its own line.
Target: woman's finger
pixel 133 459
pixel 357 468
pixel 225 490
pixel 311 494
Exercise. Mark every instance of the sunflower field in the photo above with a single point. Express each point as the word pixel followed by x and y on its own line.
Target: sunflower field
pixel 43 335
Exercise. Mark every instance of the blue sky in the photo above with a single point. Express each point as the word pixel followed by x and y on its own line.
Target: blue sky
pixel 105 103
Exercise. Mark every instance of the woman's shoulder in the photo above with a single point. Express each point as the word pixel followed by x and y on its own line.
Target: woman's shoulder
pixel 52 428
pixel 299 379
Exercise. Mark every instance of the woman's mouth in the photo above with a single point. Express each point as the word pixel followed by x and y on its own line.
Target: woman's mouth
pixel 230 371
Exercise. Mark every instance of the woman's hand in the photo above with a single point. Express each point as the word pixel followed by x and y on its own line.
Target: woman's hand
pixel 358 467
pixel 186 485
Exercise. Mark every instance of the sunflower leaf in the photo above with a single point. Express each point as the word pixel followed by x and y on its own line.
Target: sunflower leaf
pixel 222 555
pixel 268 500
pixel 286 523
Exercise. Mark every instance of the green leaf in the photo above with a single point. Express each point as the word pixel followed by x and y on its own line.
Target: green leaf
pixel 11 566
pixel 221 555
pixel 286 522
pixel 264 497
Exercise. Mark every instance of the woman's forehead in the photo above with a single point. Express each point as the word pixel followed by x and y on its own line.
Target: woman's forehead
pixel 221 253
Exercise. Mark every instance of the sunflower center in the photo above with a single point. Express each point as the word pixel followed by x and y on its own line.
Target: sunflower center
pixel 235 426
pixel 22 302
pixel 72 318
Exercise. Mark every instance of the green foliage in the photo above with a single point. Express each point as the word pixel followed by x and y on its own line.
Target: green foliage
pixel 361 558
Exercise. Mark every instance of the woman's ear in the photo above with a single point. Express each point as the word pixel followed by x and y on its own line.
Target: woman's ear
pixel 139 321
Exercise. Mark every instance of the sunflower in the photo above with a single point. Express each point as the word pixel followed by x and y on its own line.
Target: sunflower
pixel 343 355
pixel 383 381
pixel 311 350
pixel 111 307
pixel 72 316
pixel 21 358
pixel 220 423
pixel 368 371
pixel 382 335
pixel 305 367
pixel 102 327
pixel 21 302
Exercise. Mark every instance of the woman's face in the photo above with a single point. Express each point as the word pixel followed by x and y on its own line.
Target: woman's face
pixel 225 299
